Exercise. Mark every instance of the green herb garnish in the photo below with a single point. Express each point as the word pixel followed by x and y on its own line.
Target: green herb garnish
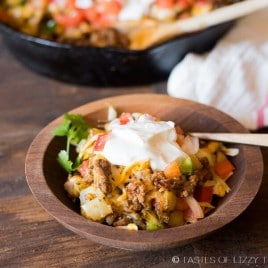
pixel 49 27
pixel 75 128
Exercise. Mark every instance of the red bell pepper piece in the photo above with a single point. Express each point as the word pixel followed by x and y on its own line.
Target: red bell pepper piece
pixel 224 168
pixel 100 142
pixel 204 194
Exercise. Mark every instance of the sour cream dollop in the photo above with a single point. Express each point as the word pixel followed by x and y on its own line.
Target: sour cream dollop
pixel 134 9
pixel 83 3
pixel 143 139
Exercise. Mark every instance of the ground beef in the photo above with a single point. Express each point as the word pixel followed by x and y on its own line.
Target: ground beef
pixel 160 181
pixel 108 37
pixel 102 174
pixel 136 195
pixel 182 186
pixel 204 174
pixel 122 221
pixel 189 185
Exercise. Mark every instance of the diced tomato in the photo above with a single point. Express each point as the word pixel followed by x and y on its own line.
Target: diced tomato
pixel 91 14
pixel 83 169
pixel 184 3
pixel 125 118
pixel 100 142
pixel 72 19
pixel 224 168
pixel 165 3
pixel 109 7
pixel 70 4
pixel 104 20
pixel 201 3
pixel 204 194
pixel 66 4
pixel 103 13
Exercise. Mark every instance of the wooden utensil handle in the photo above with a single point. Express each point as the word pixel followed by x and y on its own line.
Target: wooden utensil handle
pixel 151 34
pixel 243 138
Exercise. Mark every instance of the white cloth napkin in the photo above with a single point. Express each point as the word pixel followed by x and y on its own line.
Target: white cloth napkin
pixel 233 76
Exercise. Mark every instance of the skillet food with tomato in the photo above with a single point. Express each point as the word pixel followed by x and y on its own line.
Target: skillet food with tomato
pixel 137 172
pixel 98 23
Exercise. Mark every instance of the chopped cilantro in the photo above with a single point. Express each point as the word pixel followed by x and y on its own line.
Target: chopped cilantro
pixel 75 128
pixel 50 26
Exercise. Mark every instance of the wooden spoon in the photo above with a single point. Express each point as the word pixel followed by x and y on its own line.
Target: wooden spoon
pixel 243 138
pixel 148 34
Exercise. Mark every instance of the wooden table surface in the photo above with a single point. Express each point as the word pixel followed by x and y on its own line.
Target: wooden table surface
pixel 29 237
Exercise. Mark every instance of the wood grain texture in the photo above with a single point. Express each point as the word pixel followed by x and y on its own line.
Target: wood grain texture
pixel 29 237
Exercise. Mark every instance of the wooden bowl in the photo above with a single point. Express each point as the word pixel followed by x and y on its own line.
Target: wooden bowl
pixel 46 178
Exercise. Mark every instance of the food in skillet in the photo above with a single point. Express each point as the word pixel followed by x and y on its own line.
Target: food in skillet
pixel 141 173
pixel 99 23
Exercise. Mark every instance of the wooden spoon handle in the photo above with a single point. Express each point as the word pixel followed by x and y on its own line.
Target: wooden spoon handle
pixel 243 138
pixel 144 37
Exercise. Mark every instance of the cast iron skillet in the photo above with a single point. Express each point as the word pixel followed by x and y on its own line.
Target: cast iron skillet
pixel 107 66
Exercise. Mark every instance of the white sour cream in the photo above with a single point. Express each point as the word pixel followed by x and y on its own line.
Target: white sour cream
pixel 134 9
pixel 83 3
pixel 141 140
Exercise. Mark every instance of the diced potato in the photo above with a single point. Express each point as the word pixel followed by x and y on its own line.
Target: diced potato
pixel 96 209
pixel 93 204
pixel 116 174
pixel 74 185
